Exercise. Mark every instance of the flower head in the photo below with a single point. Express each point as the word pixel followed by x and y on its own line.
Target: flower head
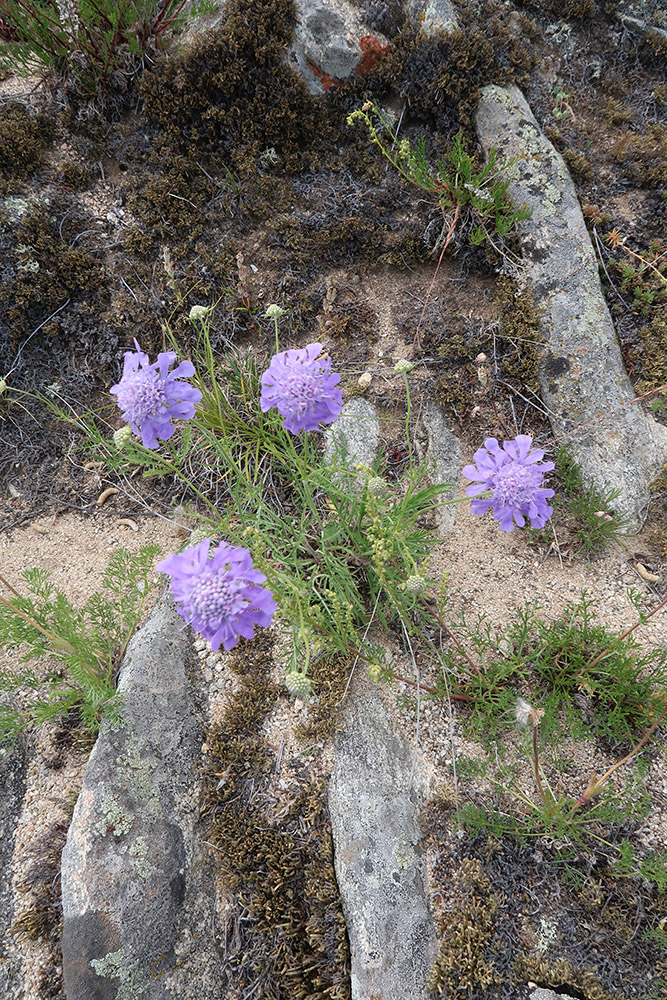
pixel 298 684
pixel 513 475
pixel 403 366
pixel 150 395
pixel 218 594
pixel 122 436
pixel 415 584
pixel 199 313
pixel 302 389
pixel 274 311
pixel 377 486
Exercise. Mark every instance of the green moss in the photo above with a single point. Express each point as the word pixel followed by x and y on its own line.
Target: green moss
pixel 466 918
pixel 563 976
pixel 649 355
pixel 275 860
pixel 578 164
pixel 23 139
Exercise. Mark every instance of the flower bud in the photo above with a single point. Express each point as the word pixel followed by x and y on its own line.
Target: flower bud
pixel 298 684
pixel 122 436
pixel 377 487
pixel 274 312
pixel 403 366
pixel 374 672
pixel 415 584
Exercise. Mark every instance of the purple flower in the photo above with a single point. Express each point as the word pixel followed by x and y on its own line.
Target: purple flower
pixel 150 395
pixel 218 595
pixel 301 389
pixel 514 477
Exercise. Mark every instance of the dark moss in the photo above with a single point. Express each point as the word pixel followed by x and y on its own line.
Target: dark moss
pixel 509 914
pixel 441 77
pixel 657 534
pixel 50 269
pixel 232 91
pixel 274 857
pixel 511 346
pixel 24 137
pixel 562 976
pixel 40 883
pixel 642 156
pixel 75 176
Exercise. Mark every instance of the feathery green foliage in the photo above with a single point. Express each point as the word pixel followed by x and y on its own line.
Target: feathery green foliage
pixel 83 647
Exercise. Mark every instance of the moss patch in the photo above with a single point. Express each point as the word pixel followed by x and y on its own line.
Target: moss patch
pixel 24 137
pixel 510 913
pixel 49 270
pixel 274 857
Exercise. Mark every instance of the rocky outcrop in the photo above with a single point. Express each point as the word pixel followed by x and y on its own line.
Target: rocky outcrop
pixel 443 455
pixel 358 428
pixel 374 804
pixel 584 382
pixel 331 41
pixel 12 790
pixel 134 886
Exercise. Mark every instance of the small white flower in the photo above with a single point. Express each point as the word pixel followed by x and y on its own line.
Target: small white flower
pixel 199 312
pixel 274 312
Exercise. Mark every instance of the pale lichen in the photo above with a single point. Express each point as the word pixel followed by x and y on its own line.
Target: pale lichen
pixel 114 818
pixel 132 981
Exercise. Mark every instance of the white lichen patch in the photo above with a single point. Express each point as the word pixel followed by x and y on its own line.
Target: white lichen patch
pixel 139 852
pixel 132 981
pixel 138 771
pixel 114 818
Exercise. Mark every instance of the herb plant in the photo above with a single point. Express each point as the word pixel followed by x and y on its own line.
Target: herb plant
pixel 83 647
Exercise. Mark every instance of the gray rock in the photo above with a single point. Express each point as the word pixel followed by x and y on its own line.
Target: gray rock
pixel 443 454
pixel 326 46
pixel 647 28
pixel 377 854
pixel 542 994
pixel 433 16
pixel 358 428
pixel 584 382
pixel 134 883
pixel 12 791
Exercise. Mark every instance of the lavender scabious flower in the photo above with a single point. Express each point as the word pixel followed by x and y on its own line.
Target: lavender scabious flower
pixel 218 595
pixel 513 475
pixel 302 389
pixel 150 395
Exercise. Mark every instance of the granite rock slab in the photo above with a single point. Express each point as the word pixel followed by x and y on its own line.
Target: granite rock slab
pixel 135 888
pixel 374 805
